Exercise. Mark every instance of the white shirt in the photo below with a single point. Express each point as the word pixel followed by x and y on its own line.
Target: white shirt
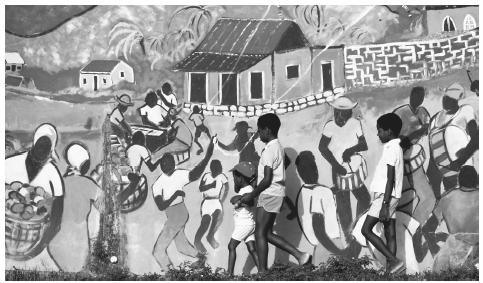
pixel 273 157
pixel 167 185
pixel 342 138
pixel 244 215
pixel 461 117
pixel 171 98
pixel 116 116
pixel 392 154
pixel 155 114
pixel 136 154
pixel 215 192
pixel 197 119
pixel 412 121
pixel 49 177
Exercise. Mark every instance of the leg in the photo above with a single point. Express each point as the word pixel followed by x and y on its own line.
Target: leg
pixel 214 226
pixel 344 210
pixel 363 199
pixel 205 130
pixel 182 243
pixel 205 223
pixel 374 239
pixel 197 135
pixel 434 177
pixel 170 230
pixel 390 234
pixel 264 223
pixel 253 251
pixel 232 255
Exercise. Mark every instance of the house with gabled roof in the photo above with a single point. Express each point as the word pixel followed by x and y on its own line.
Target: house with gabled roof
pixel 14 63
pixel 101 74
pixel 258 61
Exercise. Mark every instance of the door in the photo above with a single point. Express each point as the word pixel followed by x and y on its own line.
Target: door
pixel 95 82
pixel 327 77
pixel 198 87
pixel 229 89
pixel 14 68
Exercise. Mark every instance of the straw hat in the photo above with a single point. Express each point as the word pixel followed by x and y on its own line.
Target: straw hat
pixel 124 100
pixel 455 91
pixel 343 103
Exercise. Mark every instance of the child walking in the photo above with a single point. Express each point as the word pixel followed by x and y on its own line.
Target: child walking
pixel 387 186
pixel 271 193
pixel 244 223
pixel 198 118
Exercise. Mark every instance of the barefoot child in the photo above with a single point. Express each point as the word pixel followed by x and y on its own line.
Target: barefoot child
pixel 197 117
pixel 244 223
pixel 271 193
pixel 387 186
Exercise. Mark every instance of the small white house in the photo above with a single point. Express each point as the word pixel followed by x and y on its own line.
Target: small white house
pixel 14 63
pixel 101 74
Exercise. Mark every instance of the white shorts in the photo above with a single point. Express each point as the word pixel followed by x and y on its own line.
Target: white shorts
pixel 209 206
pixel 244 233
pixel 376 206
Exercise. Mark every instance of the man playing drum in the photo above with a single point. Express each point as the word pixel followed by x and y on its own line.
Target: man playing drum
pixel 342 138
pixel 453 136
pixel 415 123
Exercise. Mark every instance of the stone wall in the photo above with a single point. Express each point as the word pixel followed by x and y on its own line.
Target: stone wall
pixel 260 109
pixel 387 64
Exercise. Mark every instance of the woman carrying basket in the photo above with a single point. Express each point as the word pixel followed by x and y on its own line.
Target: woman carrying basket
pixel 342 139
pixel 36 168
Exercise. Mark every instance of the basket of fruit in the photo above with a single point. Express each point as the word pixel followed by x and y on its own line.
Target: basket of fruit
pixel 27 216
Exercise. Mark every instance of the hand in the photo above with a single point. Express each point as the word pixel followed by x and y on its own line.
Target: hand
pixel 256 135
pixel 340 169
pixel 292 214
pixel 384 214
pixel 346 156
pixel 247 198
pixel 180 193
pixel 235 199
pixel 455 165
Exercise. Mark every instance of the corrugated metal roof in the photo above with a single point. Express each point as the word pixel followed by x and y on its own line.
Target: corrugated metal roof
pixel 254 39
pixel 210 62
pixel 13 58
pixel 100 66
pixel 13 80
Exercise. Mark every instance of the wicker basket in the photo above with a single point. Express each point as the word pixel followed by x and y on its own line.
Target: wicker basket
pixel 136 199
pixel 24 237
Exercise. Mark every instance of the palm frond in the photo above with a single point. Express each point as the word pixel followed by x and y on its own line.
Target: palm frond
pixel 118 33
pixel 124 25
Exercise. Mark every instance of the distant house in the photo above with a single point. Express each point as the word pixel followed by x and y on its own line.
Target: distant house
pixel 14 63
pixel 446 18
pixel 100 74
pixel 253 61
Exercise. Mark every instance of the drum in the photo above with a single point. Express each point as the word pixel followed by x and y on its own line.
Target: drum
pixel 146 130
pixel 444 144
pixel 356 174
pixel 413 159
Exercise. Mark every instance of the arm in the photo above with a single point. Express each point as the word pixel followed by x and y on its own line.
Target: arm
pixel 419 133
pixel 286 161
pixel 151 166
pixel 291 206
pixel 327 154
pixel 384 214
pixel 162 204
pixel 205 187
pixel 229 147
pixel 264 184
pixel 226 188
pixel 165 101
pixel 195 174
pixel 360 146
pixel 55 218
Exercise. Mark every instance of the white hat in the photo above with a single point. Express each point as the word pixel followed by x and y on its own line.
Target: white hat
pixel 76 154
pixel 455 91
pixel 47 130
pixel 343 103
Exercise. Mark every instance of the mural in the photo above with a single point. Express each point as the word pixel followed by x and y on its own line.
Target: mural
pixel 283 104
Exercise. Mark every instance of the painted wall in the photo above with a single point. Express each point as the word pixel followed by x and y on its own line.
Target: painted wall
pixel 265 67
pixel 334 55
pixel 386 64
pixel 435 18
pixel 288 89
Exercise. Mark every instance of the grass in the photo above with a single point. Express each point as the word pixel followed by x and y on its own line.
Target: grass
pixel 336 268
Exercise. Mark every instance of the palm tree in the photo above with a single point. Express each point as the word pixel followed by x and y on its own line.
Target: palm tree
pixel 200 20
pixel 322 28
pixel 131 36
